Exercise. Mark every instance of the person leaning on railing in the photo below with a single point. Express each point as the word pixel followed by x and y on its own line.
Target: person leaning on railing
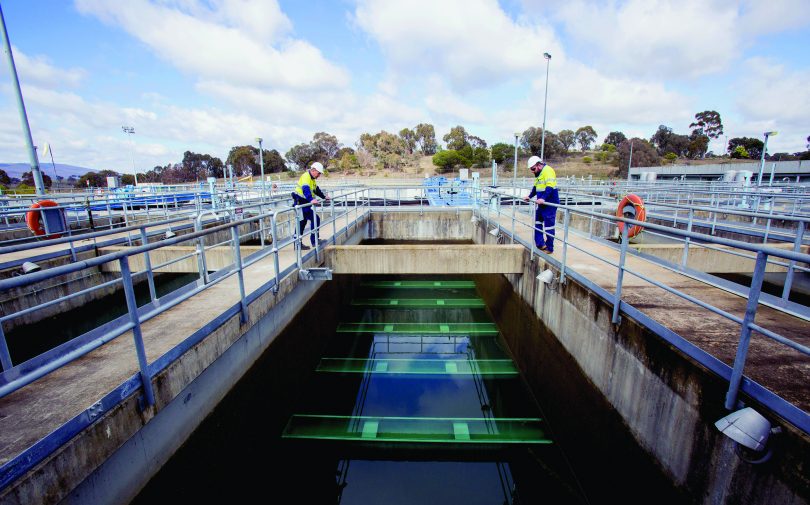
pixel 305 192
pixel 545 191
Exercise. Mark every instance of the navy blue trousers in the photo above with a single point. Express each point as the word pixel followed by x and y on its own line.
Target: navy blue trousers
pixel 544 227
pixel 310 217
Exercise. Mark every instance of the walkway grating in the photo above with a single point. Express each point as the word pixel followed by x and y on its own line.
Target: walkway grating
pixel 420 303
pixel 417 429
pixel 420 328
pixel 484 367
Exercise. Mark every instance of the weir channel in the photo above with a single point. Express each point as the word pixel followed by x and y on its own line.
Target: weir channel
pixel 627 403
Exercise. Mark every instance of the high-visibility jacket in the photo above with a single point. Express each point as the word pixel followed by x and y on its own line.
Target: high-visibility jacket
pixel 306 187
pixel 545 185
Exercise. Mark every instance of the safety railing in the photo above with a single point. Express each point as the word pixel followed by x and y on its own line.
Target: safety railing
pixel 761 253
pixel 18 375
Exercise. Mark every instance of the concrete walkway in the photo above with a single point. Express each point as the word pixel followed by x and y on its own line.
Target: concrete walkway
pixel 31 413
pixel 775 366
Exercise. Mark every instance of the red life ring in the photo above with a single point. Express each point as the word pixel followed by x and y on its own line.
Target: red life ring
pixel 632 207
pixel 33 218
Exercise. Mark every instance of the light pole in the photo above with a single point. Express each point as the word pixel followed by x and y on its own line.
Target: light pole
pixel 129 130
pixel 545 100
pixel 261 163
pixel 630 161
pixel 29 141
pixel 762 160
pixel 514 176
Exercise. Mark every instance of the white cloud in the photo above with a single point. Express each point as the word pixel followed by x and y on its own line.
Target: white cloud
pixel 472 43
pixel 39 70
pixel 660 38
pixel 231 46
pixel 773 98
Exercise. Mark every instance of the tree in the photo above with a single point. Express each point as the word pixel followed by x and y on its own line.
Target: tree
pixel 660 139
pixel 752 146
pixel 128 180
pixel 408 136
pixel 457 138
pixel 568 139
pixel 28 178
pixel 197 166
pixel 532 139
pixel 425 137
pixel 585 137
pixel 698 145
pixel 709 124
pixel 244 160
pixel 502 152
pixel 615 138
pixel 4 178
pixel 387 148
pixel 302 156
pixel 447 160
pixel 326 145
pixel 644 155
pixel 739 152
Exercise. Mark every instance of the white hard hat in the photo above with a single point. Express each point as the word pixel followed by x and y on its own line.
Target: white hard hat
pixel 534 160
pixel 317 166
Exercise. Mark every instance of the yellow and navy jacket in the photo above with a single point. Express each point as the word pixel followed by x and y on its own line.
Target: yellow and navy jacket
pixel 545 185
pixel 306 188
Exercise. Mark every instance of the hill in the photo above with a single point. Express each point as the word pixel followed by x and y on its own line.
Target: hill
pixel 17 169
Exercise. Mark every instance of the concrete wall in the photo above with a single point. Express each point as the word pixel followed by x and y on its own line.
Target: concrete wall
pixel 424 259
pixel 665 401
pixel 414 225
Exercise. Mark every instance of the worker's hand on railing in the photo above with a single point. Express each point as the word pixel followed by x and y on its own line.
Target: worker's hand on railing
pixel 525 198
pixel 314 201
pixel 540 201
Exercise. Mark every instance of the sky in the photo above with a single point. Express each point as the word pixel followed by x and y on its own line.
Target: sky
pixel 207 75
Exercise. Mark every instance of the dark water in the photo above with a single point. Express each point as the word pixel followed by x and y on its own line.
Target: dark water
pixel 254 447
pixel 28 341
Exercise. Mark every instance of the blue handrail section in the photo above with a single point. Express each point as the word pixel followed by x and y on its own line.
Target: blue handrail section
pixel 443 193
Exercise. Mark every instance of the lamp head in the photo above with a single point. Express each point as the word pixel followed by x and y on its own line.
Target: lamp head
pixel 170 234
pixel 746 427
pixel 546 276
pixel 546 56
pixel 29 267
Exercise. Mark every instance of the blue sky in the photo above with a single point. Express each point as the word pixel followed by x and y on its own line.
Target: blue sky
pixel 208 75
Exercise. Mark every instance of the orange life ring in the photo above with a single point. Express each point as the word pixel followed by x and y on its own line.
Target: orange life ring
pixel 636 212
pixel 33 218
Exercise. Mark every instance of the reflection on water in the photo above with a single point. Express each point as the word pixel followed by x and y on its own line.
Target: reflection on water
pixel 377 417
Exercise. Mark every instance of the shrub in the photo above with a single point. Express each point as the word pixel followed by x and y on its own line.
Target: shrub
pixel 670 157
pixel 586 159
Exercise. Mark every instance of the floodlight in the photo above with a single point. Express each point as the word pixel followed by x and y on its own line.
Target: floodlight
pixel 170 233
pixel 29 267
pixel 546 276
pixel 750 431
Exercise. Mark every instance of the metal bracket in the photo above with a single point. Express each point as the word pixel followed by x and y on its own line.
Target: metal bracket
pixel 315 274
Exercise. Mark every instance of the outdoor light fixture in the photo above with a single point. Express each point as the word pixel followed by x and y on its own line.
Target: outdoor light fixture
pixel 29 267
pixel 170 233
pixel 546 276
pixel 494 232
pixel 547 56
pixel 748 429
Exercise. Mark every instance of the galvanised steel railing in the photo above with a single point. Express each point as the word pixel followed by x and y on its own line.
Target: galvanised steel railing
pixel 762 252
pixel 16 376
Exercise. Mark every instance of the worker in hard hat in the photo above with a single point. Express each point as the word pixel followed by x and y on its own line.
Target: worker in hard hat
pixel 305 192
pixel 544 192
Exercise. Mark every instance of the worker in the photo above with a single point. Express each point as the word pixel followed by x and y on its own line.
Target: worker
pixel 544 191
pixel 305 192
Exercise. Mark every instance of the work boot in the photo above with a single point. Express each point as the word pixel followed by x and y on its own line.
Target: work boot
pixel 305 247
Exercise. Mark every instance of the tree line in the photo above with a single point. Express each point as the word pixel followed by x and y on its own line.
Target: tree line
pixel 393 151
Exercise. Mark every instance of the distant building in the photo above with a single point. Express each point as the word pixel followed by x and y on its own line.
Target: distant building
pixel 783 171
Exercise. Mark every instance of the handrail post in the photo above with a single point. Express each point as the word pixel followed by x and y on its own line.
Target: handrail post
pixel 5 355
pixel 334 220
pixel 275 251
pixel 237 259
pixel 201 263
pixel 132 308
pixel 566 220
pixel 148 263
pixel 514 210
pixel 686 239
pixel 618 297
pixel 745 333
pixel 797 244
